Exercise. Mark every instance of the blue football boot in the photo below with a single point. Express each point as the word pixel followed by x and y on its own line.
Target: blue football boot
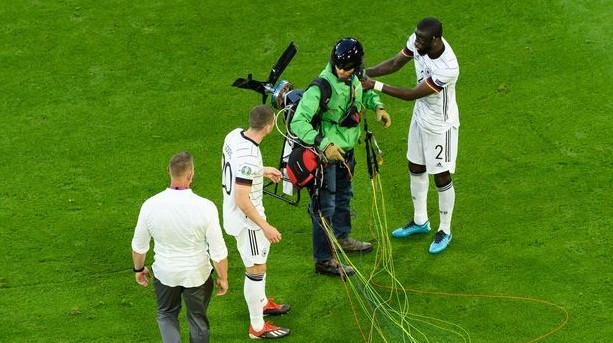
pixel 441 241
pixel 411 228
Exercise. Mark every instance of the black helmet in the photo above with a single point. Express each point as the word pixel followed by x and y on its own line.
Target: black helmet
pixel 347 54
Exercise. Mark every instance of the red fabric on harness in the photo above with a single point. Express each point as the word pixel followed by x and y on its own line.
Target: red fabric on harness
pixel 301 166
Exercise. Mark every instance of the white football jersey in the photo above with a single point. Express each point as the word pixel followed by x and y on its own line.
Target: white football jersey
pixel 241 164
pixel 436 112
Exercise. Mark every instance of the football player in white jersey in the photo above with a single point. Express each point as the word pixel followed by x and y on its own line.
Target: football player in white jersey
pixel 433 133
pixel 244 218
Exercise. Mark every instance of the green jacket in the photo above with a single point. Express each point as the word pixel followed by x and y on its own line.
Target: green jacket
pixel 343 137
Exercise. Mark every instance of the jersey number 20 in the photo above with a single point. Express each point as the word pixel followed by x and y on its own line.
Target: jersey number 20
pixel 226 175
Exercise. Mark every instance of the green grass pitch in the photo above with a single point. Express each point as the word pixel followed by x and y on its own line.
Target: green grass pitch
pixel 95 96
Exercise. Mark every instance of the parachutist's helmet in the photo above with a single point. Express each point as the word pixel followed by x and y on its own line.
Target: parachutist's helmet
pixel 347 54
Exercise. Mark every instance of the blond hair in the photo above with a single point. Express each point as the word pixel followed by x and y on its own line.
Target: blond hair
pixel 180 164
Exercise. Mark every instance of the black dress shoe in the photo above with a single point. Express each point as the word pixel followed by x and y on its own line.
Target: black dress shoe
pixel 332 267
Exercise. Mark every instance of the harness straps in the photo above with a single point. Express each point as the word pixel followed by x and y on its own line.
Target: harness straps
pixel 326 92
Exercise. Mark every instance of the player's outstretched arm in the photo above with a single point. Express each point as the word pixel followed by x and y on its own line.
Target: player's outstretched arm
pixel 420 91
pixel 389 66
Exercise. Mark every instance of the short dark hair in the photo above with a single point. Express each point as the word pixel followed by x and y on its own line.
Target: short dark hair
pixel 180 164
pixel 431 25
pixel 260 116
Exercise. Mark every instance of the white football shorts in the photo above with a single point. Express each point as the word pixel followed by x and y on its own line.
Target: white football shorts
pixel 437 151
pixel 253 246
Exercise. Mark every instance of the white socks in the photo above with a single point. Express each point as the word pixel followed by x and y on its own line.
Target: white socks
pixel 419 194
pixel 446 200
pixel 255 296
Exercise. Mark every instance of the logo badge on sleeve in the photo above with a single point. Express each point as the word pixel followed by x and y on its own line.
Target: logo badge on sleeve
pixel 246 171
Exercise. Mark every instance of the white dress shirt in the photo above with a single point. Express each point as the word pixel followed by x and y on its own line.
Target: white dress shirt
pixel 186 233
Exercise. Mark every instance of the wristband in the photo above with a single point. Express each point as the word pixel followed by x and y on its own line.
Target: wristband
pixel 379 86
pixel 138 270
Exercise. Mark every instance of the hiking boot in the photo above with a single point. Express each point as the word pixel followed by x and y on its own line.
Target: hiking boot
pixel 273 309
pixel 441 241
pixel 411 228
pixel 268 331
pixel 332 267
pixel 350 244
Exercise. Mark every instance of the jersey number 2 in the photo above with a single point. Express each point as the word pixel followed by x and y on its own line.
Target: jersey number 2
pixel 439 148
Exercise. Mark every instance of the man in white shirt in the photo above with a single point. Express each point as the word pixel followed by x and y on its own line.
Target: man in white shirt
pixel 244 218
pixel 188 244
pixel 433 133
